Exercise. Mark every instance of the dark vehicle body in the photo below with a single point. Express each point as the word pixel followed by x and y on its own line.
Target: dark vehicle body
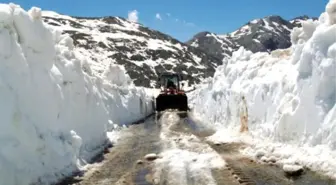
pixel 171 96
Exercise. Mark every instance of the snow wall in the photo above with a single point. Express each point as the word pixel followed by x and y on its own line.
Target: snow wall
pixel 54 112
pixel 290 95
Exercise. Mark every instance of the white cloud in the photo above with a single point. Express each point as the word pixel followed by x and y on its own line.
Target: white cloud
pixel 177 20
pixel 133 16
pixel 158 16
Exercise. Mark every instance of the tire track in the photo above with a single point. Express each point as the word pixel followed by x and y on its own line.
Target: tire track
pixel 121 165
pixel 246 171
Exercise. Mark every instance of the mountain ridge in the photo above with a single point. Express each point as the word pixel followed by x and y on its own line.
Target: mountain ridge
pixel 145 52
pixel 258 35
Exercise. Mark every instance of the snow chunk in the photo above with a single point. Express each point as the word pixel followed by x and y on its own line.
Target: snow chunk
pixel 241 54
pixel 139 162
pixel 331 10
pixel 303 34
pixel 116 74
pixel 6 13
pixel 35 13
pixel 293 170
pixel 151 157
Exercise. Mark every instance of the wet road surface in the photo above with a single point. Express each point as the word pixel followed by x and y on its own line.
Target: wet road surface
pixel 125 164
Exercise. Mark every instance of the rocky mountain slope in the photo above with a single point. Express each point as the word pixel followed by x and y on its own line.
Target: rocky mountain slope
pixel 266 34
pixel 142 51
pixel 145 52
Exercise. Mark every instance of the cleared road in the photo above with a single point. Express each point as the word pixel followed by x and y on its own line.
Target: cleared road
pixel 185 158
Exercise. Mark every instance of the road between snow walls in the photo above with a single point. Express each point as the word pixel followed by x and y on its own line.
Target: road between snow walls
pixel 290 98
pixel 55 112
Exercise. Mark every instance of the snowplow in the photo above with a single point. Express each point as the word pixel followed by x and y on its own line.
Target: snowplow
pixel 171 95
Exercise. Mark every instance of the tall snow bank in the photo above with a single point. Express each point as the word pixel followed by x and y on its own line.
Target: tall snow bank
pixel 291 94
pixel 54 113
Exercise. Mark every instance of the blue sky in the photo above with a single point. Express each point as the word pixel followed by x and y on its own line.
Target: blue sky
pixel 184 18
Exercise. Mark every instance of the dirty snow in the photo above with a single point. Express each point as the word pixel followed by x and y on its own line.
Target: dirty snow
pixel 55 112
pixel 291 98
pixel 184 156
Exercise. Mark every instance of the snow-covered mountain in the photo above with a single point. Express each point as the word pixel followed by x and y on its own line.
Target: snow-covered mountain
pixel 265 34
pixel 145 52
pixel 142 51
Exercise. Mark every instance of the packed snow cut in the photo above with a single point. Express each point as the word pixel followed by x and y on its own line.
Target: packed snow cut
pixel 290 95
pixel 55 111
